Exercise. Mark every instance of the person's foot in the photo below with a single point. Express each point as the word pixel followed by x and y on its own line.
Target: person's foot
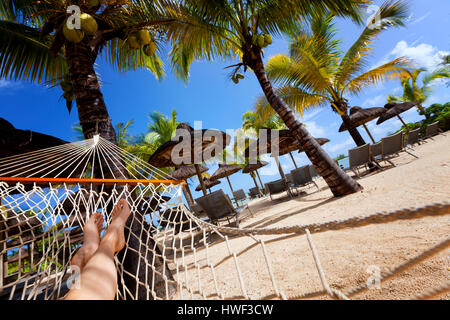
pixel 92 230
pixel 119 217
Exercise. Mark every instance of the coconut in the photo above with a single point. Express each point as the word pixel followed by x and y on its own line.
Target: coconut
pixel 235 79
pixel 88 24
pixel 133 42
pixel 268 39
pixel 72 35
pixel 261 41
pixel 240 76
pixel 143 37
pixel 150 49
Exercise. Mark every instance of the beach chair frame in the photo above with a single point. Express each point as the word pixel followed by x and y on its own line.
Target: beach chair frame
pixel 218 207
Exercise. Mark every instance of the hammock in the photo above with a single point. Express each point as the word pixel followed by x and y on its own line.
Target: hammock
pixel 48 195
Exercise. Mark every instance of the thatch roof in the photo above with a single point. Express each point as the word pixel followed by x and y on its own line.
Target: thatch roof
pixel 395 109
pixel 186 172
pixel 291 145
pixel 16 141
pixel 21 255
pixel 225 170
pixel 360 116
pixel 252 167
pixel 208 184
pixel 205 140
pixel 256 149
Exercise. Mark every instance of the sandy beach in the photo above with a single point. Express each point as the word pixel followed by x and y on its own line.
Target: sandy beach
pixel 346 255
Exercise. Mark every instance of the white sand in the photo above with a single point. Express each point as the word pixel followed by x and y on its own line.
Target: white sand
pixel 347 254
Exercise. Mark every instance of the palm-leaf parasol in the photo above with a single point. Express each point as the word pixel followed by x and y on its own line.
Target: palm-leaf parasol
pixel 360 116
pixel 224 171
pixel 254 168
pixel 394 110
pixel 208 183
pixel 203 146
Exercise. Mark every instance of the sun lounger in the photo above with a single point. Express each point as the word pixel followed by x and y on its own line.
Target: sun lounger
pixel 302 177
pixel 277 187
pixel 239 195
pixel 433 130
pixel 413 137
pixel 359 157
pixel 198 211
pixel 392 146
pixel 218 207
pixel 376 150
pixel 254 193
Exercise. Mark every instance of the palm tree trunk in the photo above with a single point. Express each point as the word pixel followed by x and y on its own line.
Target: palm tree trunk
pixel 94 119
pixel 353 131
pixel 339 182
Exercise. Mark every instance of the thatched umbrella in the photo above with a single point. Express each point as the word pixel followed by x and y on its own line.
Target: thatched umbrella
pixel 16 141
pixel 320 141
pixel 203 145
pixel 184 173
pixel 360 116
pixel 261 147
pixel 254 168
pixel 208 184
pixel 224 171
pixel 394 110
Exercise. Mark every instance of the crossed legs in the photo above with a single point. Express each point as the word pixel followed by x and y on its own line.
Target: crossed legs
pixel 98 278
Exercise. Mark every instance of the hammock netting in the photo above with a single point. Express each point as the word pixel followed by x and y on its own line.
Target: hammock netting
pixel 48 195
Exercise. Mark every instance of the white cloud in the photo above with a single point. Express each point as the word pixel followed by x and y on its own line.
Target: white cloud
pixel 423 55
pixel 378 101
pixel 5 83
pixel 413 20
pixel 309 115
pixel 315 130
pixel 341 147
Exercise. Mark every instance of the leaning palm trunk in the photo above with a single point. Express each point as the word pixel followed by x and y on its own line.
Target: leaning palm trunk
pixel 94 119
pixel 339 182
pixel 354 133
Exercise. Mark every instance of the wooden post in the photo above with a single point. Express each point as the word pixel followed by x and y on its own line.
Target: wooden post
pixel 199 175
pixel 368 132
pixel 259 178
pixel 293 160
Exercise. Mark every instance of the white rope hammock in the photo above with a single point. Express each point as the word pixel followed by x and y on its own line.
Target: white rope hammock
pixel 48 195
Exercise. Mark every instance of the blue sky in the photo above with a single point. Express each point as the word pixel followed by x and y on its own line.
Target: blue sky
pixel 219 103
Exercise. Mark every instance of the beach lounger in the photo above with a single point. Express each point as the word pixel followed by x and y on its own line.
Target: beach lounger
pixel 413 137
pixel 359 157
pixel 392 146
pixel 218 207
pixel 376 150
pixel 433 130
pixel 276 187
pixel 239 195
pixel 198 211
pixel 302 177
pixel 254 193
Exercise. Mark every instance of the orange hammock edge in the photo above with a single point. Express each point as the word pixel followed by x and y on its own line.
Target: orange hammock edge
pixel 28 180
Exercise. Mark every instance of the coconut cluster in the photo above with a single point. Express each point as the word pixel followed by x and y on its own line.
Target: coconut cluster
pixel 88 27
pixel 262 40
pixel 142 38
pixel 238 76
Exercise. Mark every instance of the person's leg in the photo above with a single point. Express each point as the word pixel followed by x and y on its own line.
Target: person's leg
pixel 91 241
pixel 98 279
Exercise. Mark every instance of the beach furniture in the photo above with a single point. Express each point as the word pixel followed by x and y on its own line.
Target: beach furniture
pixel 392 145
pixel 302 177
pixel 198 211
pixel 413 137
pixel 433 130
pixel 359 157
pixel 277 187
pixel 376 150
pixel 219 207
pixel 253 193
pixel 239 195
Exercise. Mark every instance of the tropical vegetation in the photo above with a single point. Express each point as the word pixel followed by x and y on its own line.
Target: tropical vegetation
pixel 318 73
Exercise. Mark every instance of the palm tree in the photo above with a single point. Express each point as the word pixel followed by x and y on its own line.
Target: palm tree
pixel 317 72
pixel 252 123
pixel 230 29
pixel 161 128
pixel 411 90
pixel 33 48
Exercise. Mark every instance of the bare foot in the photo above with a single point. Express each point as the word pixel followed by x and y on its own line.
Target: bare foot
pixel 119 217
pixel 92 230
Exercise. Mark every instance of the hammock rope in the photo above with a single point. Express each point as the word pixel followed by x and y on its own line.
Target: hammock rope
pixel 47 196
